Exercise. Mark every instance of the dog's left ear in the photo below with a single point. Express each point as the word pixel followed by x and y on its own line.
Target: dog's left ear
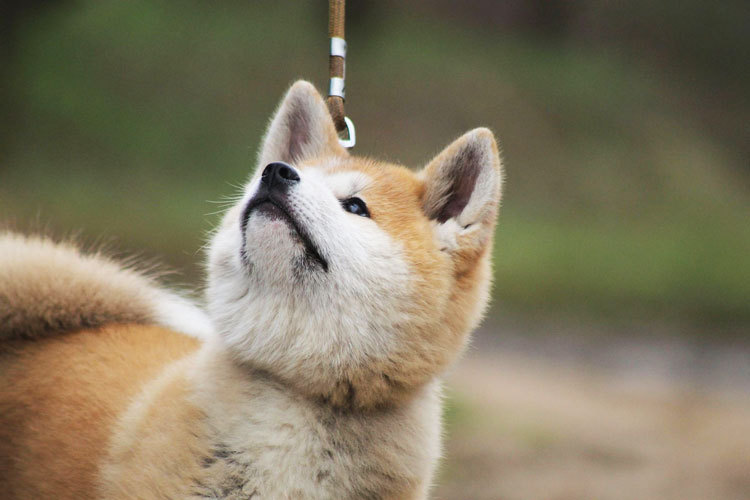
pixel 302 128
pixel 462 187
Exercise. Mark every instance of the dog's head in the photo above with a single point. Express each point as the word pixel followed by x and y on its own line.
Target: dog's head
pixel 351 280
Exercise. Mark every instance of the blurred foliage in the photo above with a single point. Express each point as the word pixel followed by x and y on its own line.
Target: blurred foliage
pixel 624 131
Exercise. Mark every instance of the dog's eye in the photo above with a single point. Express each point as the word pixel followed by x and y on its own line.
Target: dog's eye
pixel 355 206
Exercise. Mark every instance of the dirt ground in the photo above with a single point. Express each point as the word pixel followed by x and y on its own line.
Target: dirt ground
pixel 557 418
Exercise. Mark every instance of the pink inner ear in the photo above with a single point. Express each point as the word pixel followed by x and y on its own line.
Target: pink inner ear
pixel 298 124
pixel 462 177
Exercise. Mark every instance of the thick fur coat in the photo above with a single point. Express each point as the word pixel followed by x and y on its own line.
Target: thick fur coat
pixel 339 290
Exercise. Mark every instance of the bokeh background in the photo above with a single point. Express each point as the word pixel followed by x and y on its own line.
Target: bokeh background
pixel 615 361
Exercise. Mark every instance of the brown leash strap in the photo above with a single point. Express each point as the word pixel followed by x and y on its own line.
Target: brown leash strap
pixel 337 70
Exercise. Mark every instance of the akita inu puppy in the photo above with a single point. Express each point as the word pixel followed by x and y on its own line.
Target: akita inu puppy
pixel 339 290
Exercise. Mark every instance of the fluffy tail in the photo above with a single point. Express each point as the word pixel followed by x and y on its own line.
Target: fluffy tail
pixel 48 287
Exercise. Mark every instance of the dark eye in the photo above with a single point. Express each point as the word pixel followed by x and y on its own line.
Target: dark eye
pixel 355 206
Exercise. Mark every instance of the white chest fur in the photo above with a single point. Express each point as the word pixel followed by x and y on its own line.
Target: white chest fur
pixel 269 443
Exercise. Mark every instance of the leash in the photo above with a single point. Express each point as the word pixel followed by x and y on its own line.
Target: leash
pixel 337 73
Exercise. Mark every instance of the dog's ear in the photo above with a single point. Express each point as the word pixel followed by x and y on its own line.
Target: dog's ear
pixel 302 128
pixel 462 187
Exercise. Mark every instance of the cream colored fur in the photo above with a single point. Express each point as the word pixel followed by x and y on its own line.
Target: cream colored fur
pixel 322 379
pixel 48 287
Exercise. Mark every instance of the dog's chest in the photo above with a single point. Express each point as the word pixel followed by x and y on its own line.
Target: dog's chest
pixel 241 474
pixel 293 450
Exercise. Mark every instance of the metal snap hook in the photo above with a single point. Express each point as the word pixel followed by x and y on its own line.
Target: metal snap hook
pixel 351 140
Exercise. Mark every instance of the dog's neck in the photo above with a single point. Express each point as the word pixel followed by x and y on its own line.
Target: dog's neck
pixel 245 431
pixel 354 391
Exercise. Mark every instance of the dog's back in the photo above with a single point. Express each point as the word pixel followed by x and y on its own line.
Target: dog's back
pixel 78 339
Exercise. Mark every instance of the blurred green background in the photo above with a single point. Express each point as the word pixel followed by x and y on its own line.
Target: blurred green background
pixel 624 129
pixel 615 362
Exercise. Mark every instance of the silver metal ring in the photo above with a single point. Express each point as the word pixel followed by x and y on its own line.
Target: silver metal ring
pixel 337 88
pixel 338 47
pixel 352 139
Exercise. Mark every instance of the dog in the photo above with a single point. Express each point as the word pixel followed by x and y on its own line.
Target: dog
pixel 339 291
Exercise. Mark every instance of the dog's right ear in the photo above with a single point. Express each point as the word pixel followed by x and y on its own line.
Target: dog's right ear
pixel 302 128
pixel 462 195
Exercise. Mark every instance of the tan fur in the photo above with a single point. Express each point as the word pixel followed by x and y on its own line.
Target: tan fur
pixel 166 454
pixel 47 288
pixel 60 397
pixel 323 384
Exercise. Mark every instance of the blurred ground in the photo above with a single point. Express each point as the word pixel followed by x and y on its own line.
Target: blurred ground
pixel 579 417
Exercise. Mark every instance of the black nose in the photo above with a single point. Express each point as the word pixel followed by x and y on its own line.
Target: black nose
pixel 280 175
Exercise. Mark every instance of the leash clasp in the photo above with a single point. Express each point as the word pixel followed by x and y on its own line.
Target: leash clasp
pixel 351 140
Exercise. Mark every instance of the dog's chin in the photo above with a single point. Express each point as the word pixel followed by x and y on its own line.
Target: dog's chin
pixel 273 240
pixel 271 212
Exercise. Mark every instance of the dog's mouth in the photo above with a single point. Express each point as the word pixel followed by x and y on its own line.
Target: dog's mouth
pixel 276 209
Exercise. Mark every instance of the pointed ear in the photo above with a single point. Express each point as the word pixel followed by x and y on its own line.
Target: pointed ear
pixel 302 128
pixel 462 187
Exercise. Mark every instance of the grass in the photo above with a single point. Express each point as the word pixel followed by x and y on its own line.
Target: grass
pixel 129 117
pixel 685 269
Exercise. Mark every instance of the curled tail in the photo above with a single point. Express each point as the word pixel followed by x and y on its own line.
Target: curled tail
pixel 48 287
